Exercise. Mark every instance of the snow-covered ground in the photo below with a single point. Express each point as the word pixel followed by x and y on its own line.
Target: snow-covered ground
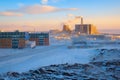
pixel 26 59
pixel 58 61
pixel 97 69
pixel 22 60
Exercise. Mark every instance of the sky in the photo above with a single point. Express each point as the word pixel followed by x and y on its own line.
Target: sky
pixel 44 15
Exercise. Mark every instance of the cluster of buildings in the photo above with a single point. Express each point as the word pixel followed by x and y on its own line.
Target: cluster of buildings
pixel 81 28
pixel 24 39
pixel 20 39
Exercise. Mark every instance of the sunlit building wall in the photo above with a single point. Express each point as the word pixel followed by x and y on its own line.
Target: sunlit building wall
pixel 66 28
pixel 86 29
pixel 19 39
pixel 13 39
pixel 40 38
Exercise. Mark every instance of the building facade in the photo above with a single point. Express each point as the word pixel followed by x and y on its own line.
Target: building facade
pixel 86 29
pixel 41 39
pixel 66 28
pixel 12 39
pixel 19 39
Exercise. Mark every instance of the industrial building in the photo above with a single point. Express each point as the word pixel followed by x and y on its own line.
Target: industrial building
pixel 85 29
pixel 40 38
pixel 13 39
pixel 66 28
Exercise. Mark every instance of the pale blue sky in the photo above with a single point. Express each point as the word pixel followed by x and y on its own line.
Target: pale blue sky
pixel 105 14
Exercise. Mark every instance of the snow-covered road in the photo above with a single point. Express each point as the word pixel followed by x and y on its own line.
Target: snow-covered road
pixel 26 52
pixel 27 59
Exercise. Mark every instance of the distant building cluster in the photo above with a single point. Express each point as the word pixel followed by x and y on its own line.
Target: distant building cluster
pixel 19 39
pixel 81 28
pixel 25 39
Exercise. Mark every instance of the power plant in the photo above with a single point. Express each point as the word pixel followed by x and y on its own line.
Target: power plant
pixel 85 28
pixel 80 28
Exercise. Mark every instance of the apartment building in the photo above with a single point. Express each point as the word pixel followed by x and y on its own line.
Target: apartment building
pixel 13 39
pixel 42 39
pixel 19 39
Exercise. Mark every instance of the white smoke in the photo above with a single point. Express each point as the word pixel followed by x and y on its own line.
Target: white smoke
pixel 44 1
pixel 72 20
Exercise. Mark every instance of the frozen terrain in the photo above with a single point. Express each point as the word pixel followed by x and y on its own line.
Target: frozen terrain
pixel 82 63
pixel 96 69
pixel 26 59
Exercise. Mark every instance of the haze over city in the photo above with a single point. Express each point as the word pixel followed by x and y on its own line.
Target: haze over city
pixel 44 15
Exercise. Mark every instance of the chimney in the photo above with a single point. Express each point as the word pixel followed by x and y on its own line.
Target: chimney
pixel 81 20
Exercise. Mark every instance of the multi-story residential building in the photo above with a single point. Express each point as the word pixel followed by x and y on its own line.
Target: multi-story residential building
pixel 19 39
pixel 40 38
pixel 13 39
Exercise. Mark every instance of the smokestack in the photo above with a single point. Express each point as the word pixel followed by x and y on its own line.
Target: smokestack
pixel 81 20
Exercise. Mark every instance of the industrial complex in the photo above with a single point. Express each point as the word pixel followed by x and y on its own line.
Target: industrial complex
pixel 81 28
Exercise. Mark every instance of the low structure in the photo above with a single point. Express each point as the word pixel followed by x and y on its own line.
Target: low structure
pixel 30 44
pixel 85 41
